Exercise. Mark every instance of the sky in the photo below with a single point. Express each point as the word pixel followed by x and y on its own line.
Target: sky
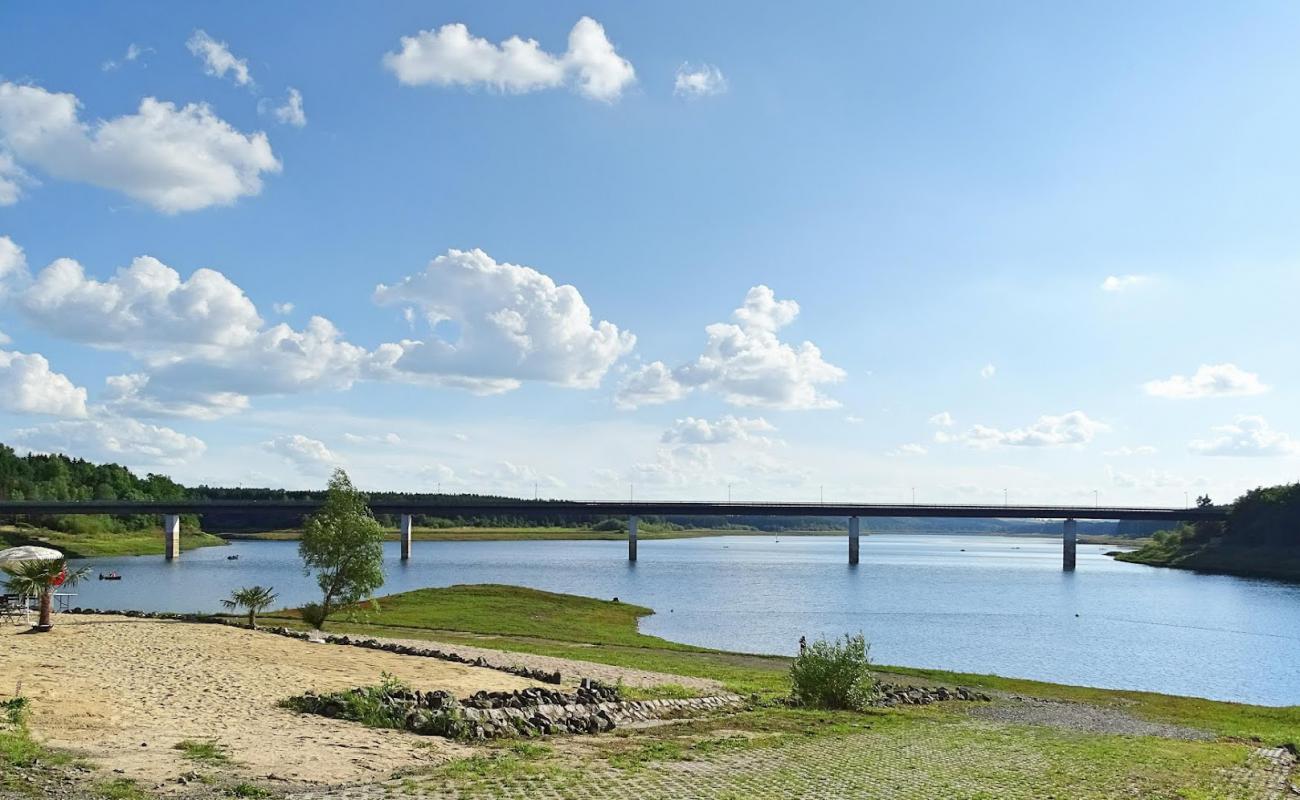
pixel 1007 252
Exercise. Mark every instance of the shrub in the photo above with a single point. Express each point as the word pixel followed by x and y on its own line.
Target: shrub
pixel 313 614
pixel 833 675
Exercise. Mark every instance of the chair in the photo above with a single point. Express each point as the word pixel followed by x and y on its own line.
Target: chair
pixel 12 608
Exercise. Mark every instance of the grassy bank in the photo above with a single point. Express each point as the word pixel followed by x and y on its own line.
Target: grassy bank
pixel 102 544
pixel 526 620
pixel 1258 562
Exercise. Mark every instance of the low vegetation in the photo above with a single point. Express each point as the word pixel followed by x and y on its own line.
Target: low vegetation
pixel 343 545
pixel 203 751
pixel 252 598
pixel 833 675
pixel 1261 537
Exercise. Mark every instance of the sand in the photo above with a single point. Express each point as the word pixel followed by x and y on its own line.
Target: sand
pixel 124 692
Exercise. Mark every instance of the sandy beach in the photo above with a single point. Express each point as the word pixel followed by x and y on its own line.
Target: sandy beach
pixel 124 692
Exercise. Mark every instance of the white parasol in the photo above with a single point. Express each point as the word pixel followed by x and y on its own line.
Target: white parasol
pixel 28 553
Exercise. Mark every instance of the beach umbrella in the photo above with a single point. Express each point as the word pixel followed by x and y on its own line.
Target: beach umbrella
pixel 28 553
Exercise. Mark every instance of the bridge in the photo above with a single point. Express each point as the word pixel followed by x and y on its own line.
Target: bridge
pixel 171 510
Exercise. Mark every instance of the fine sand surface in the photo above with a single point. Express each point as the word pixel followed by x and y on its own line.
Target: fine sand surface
pixel 124 692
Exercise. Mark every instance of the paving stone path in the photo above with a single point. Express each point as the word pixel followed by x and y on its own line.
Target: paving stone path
pixel 854 766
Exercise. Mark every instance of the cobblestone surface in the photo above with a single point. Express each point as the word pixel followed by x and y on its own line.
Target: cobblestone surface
pixel 978 765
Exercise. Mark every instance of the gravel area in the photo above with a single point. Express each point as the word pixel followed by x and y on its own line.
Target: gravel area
pixel 1082 717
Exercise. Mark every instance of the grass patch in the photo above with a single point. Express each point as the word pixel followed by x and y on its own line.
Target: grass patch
pixel 204 751
pixel 246 790
pixel 102 544
pixel 120 789
pixel 543 623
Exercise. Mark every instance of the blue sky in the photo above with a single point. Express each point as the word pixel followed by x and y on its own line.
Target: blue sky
pixel 1035 247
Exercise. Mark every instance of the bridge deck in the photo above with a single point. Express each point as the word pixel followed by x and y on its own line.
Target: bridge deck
pixel 450 508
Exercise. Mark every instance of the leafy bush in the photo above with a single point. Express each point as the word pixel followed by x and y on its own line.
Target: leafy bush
pixel 833 675
pixel 313 614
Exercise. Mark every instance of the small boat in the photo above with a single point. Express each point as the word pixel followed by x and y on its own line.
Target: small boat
pixel 232 558
pixel 110 576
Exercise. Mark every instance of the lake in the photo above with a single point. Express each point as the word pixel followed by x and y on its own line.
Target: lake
pixel 984 604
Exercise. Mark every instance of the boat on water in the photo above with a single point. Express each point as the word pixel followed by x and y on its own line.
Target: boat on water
pixel 110 576
pixel 232 558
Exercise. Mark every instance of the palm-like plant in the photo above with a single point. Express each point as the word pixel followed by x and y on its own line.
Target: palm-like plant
pixel 40 579
pixel 253 598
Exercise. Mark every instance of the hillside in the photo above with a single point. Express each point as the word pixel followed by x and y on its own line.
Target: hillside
pixel 1260 538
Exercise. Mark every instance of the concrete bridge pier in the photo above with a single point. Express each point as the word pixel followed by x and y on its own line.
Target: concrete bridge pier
pixel 405 534
pixel 1069 542
pixel 631 538
pixel 854 529
pixel 171 536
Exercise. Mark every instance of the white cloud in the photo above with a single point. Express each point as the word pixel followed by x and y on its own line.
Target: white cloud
pixel 133 52
pixel 508 323
pixel 1151 480
pixel 450 56
pixel 513 479
pixel 145 308
pixel 13 265
pixel 685 465
pixel 1120 283
pixel 1140 450
pixel 853 420
pixel 988 371
pixel 29 386
pixel 172 159
pixel 387 438
pixel 909 449
pixel 204 344
pixel 112 439
pixel 282 309
pixel 291 112
pixel 943 420
pixel 745 362
pixel 217 58
pixel 1246 436
pixel 131 395
pixel 1074 428
pixel 12 180
pixel 649 385
pixel 5 338
pixel 1210 380
pixel 728 429
pixel 700 81
pixel 310 456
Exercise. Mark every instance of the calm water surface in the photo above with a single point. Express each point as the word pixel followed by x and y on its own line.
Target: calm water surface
pixel 969 603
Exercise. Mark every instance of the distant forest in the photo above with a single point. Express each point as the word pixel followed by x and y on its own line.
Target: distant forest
pixel 58 477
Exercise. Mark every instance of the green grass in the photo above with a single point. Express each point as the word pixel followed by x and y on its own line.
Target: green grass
pixel 205 751
pixel 1261 562
pixel 120 789
pixel 530 621
pixel 246 790
pixel 102 544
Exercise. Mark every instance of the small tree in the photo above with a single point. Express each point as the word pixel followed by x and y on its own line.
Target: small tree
pixel 40 579
pixel 344 545
pixel 253 598
pixel 833 675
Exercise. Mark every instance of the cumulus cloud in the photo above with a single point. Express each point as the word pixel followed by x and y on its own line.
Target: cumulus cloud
pixel 282 309
pixel 943 420
pixel 1074 428
pixel 700 81
pixel 988 371
pixel 511 478
pixel 291 111
pixel 1120 283
pixel 132 395
pixel 1246 436
pixel 387 438
pixel 13 266
pixel 29 386
pixel 173 159
pixel 728 429
pixel 112 439
pixel 310 456
pixel 492 325
pixel 451 56
pixel 1209 380
pixel 685 465
pixel 745 362
pixel 12 180
pixel 217 58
